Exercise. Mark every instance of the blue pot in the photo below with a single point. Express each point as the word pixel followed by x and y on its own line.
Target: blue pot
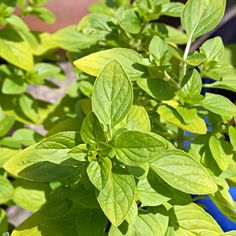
pixel 225 223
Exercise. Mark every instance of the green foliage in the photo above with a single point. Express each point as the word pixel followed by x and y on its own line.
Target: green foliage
pixel 113 161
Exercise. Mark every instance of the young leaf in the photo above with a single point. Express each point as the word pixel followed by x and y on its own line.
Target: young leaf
pixel 219 104
pixel 91 130
pixel 172 9
pixel 135 148
pixel 112 95
pixel 190 92
pixel 201 16
pixel 213 49
pixel 99 172
pixel 136 119
pixel 159 50
pixel 43 14
pixel 194 220
pixel 131 61
pixel 182 172
pixel 129 20
pixel 117 197
pixel 96 22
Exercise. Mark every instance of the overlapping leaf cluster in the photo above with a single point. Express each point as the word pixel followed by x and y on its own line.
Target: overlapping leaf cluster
pixel 151 140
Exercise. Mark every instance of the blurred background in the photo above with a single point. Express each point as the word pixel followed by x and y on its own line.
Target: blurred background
pixel 71 11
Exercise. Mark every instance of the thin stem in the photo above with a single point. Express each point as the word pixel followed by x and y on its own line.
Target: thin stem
pixel 171 80
pixel 183 70
pixel 180 139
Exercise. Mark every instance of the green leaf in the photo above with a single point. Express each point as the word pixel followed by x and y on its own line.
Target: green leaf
pixel 172 9
pixel 228 82
pixel 99 172
pixel 68 38
pixel 220 151
pixel 195 58
pixel 15 50
pixel 117 197
pixel 79 152
pixel 86 88
pixel 182 172
pixel 132 215
pixel 225 203
pixel 135 147
pixel 159 51
pixel 213 49
pixel 169 33
pixel 136 119
pixel 157 88
pixel 6 190
pixel 21 137
pixel 43 14
pixel 193 220
pixel 3 222
pixel 129 20
pixel 170 115
pixel 46 161
pixel 187 114
pixel 131 61
pixel 191 90
pixel 6 154
pixel 148 224
pixel 232 136
pixel 77 221
pixel 95 23
pixel 201 16
pixel 58 204
pixel 5 125
pixel 43 71
pixel 29 195
pixel 13 85
pixel 229 233
pixel 112 95
pixel 28 107
pixel 91 130
pixel 218 104
pixel 90 222
pixel 229 55
pixel 85 196
pixel 148 194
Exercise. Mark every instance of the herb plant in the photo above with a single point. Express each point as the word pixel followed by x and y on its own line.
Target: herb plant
pixel 153 141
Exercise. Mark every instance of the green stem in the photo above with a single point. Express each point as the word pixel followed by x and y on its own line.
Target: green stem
pixel 183 70
pixel 183 65
pixel 180 139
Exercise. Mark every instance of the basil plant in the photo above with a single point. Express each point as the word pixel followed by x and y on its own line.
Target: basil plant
pixel 152 136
